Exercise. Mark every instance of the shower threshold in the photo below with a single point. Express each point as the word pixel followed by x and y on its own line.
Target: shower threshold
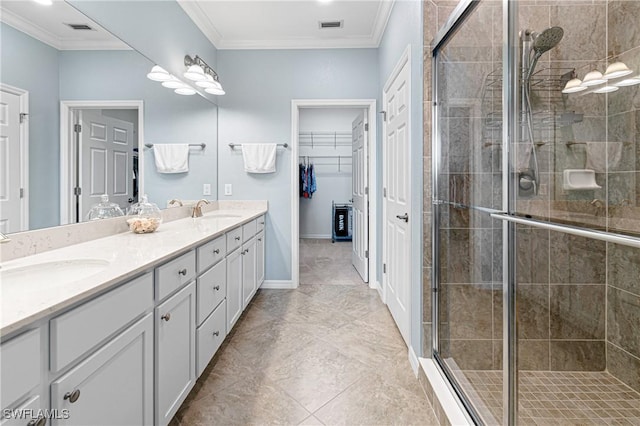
pixel 556 397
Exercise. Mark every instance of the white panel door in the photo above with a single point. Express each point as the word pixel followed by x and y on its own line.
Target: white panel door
pixel 10 163
pixel 396 203
pixel 106 153
pixel 359 180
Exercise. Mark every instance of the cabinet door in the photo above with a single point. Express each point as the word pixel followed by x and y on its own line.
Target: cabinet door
pixel 175 322
pixel 114 385
pixel 248 272
pixel 234 288
pixel 259 259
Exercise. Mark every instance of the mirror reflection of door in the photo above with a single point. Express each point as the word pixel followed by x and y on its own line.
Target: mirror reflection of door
pixel 105 158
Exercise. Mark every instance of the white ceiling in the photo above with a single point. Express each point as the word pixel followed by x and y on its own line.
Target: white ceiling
pixel 289 24
pixel 47 24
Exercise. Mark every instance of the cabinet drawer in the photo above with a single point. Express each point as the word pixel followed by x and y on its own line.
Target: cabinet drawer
pixel 173 275
pixel 29 408
pixel 210 336
pixel 114 386
pixel 260 222
pixel 20 366
pixel 234 239
pixel 248 230
pixel 77 331
pixel 212 288
pixel 211 253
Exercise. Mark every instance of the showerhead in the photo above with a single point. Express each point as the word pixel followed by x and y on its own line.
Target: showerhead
pixel 547 39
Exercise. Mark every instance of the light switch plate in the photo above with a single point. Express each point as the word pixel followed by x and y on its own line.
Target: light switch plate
pixel 206 189
pixel 228 189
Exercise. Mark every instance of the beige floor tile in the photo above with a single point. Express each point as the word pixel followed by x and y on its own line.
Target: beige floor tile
pixel 311 421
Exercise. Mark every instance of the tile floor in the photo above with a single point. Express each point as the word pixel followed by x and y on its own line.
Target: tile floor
pixel 560 398
pixel 325 353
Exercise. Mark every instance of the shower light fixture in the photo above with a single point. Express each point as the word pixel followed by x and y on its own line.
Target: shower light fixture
pixel 593 78
pixel 158 74
pixel 203 75
pixel 616 70
pixel 606 89
pixel 573 86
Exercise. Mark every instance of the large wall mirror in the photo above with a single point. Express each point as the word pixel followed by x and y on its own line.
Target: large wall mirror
pixel 76 115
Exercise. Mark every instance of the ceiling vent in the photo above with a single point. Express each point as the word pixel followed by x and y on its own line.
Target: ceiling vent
pixel 331 24
pixel 80 27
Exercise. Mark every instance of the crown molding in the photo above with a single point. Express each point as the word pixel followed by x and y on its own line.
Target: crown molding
pixel 199 17
pixel 21 24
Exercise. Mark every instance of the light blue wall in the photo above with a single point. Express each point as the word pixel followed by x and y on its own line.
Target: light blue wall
pixel 32 65
pixel 159 29
pixel 168 117
pixel 405 28
pixel 260 85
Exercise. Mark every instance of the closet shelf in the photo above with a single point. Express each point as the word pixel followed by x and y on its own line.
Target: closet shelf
pixel 325 138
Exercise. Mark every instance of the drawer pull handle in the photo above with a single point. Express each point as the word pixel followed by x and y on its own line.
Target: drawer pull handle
pixel 259 239
pixel 217 288
pixel 216 333
pixel 216 251
pixel 183 272
pixel 40 421
pixel 166 316
pixel 262 223
pixel 237 238
pixel 72 396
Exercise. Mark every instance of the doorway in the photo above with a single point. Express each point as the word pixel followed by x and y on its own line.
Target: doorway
pixel 333 139
pixel 100 152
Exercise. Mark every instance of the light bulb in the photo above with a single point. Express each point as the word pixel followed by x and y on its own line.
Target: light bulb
pixel 158 74
pixel 195 73
pixel 573 86
pixel 185 91
pixel 615 70
pixel 593 78
pixel 174 83
pixel 206 83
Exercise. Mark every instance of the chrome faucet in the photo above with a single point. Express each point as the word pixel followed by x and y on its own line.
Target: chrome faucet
pixel 599 205
pixel 175 201
pixel 197 209
pixel 4 238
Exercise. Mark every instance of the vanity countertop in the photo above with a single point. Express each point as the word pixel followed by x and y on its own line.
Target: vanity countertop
pixel 128 255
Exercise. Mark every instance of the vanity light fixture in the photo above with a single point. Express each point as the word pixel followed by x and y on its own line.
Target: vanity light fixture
pixel 188 91
pixel 616 70
pixel 574 85
pixel 628 81
pixel 208 79
pixel 158 74
pixel 606 89
pixel 593 78
pixel 174 83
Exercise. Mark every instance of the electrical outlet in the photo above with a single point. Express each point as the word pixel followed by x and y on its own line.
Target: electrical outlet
pixel 206 189
pixel 228 190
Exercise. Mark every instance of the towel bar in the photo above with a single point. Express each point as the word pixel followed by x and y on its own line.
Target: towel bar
pixel 201 145
pixel 233 145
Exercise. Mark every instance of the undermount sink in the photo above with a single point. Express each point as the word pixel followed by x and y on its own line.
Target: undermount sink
pixel 55 271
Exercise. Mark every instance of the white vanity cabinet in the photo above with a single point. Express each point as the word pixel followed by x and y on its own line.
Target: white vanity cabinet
pixel 20 373
pixel 32 405
pixel 234 287
pixel 114 386
pixel 175 356
pixel 259 259
pixel 249 278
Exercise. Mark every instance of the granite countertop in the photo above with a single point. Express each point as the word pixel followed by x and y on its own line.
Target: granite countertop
pixel 128 255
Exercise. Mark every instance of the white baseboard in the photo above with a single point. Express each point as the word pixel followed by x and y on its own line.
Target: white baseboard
pixel 448 400
pixel 413 360
pixel 378 287
pixel 316 236
pixel 277 284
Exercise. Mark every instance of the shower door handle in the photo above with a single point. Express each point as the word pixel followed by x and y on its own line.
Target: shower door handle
pixel 404 217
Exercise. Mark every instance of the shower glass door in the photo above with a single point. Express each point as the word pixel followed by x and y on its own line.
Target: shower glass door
pixel 468 70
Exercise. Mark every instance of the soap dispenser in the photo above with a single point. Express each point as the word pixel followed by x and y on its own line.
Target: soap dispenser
pixel 145 217
pixel 104 209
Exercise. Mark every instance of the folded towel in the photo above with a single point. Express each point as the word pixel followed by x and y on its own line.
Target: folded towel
pixel 259 157
pixel 171 158
pixel 599 154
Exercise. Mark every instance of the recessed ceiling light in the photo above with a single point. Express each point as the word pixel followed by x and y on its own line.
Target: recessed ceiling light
pixel 44 2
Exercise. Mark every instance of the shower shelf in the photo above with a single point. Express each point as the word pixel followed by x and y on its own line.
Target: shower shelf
pixel 546 97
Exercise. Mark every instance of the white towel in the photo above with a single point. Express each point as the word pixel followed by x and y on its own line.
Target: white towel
pixel 601 153
pixel 259 157
pixel 171 158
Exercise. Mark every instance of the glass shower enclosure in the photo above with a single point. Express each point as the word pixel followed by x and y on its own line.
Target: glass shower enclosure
pixel 536 210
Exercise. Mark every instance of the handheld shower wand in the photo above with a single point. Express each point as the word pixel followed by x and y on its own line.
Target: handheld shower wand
pixel 536 44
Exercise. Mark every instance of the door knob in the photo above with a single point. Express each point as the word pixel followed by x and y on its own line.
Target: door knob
pixel 72 396
pixel 404 217
pixel 130 200
pixel 166 316
pixel 40 421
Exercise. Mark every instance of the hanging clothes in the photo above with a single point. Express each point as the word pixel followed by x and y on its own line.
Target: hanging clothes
pixel 307 180
pixel 312 180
